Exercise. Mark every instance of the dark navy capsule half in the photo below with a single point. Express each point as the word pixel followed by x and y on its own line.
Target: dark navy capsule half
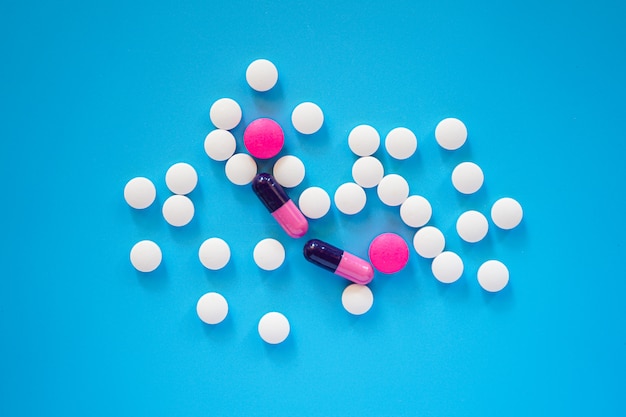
pixel 269 191
pixel 322 254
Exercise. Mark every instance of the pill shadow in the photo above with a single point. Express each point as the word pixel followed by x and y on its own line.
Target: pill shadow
pixel 156 280
pixel 516 238
pixel 281 353
pixel 149 218
pixel 500 301
pixel 278 279
pixel 223 331
pixel 456 291
pixel 222 278
pixel 270 102
pixel 455 157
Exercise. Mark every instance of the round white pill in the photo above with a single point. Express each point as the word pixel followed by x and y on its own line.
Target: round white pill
pixel 429 242
pixel 214 253
pixel 289 171
pixel 367 171
pixel 350 198
pixel 416 211
pixel 139 193
pixel 220 145
pixel 451 133
pixel 472 226
pixel 261 75
pixel 212 308
pixel 181 178
pixel 314 202
pixel 357 299
pixel 274 328
pixel 307 118
pixel 506 213
pixel 146 256
pixel 467 178
pixel 393 190
pixel 363 140
pixel 447 267
pixel 240 169
pixel 493 276
pixel 400 143
pixel 178 210
pixel 225 113
pixel 269 254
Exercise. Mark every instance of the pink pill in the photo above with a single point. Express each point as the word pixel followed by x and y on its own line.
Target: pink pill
pixel 388 253
pixel 263 138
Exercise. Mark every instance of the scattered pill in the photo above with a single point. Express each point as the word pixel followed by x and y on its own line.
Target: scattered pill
pixel 146 256
pixel 314 202
pixel 212 308
pixel 367 171
pixel 338 261
pixel 400 143
pixel 429 242
pixel 350 198
pixel 357 299
pixel 220 145
pixel 274 328
pixel 181 178
pixel 493 276
pixel 472 226
pixel 447 267
pixel 307 118
pixel 178 210
pixel 225 113
pixel 467 178
pixel 363 140
pixel 214 253
pixel 139 193
pixel 240 169
pixel 416 211
pixel 282 208
pixel 289 171
pixel 261 75
pixel 393 190
pixel 263 138
pixel 269 254
pixel 506 213
pixel 389 253
pixel 451 133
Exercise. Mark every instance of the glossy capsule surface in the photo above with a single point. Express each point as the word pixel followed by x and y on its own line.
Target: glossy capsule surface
pixel 278 203
pixel 338 261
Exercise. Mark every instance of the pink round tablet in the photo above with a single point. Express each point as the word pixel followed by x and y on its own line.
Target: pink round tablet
pixel 263 138
pixel 389 253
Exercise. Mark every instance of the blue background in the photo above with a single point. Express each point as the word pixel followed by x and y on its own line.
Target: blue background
pixel 95 93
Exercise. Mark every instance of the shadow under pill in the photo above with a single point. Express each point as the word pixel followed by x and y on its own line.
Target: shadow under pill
pixel 502 300
pixel 156 280
pixel 220 331
pixel 282 353
pixel 149 218
pixel 224 277
pixel 270 102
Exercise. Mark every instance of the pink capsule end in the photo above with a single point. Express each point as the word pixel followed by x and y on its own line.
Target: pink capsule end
pixel 291 220
pixel 355 269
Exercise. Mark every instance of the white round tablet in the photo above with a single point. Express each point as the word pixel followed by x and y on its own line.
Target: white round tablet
pixel 220 145
pixel 214 253
pixel 472 226
pixel 357 299
pixel 467 177
pixel 400 143
pixel 506 213
pixel 314 202
pixel 274 328
pixel 416 211
pixel 269 254
pixel 393 190
pixel 261 75
pixel 139 193
pixel 493 276
pixel 181 178
pixel 451 133
pixel 240 169
pixel 146 256
pixel 367 171
pixel 307 118
pixel 363 140
pixel 289 171
pixel 178 210
pixel 350 198
pixel 429 242
pixel 225 113
pixel 212 308
pixel 447 267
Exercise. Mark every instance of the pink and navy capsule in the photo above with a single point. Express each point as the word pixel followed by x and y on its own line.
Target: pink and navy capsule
pixel 338 261
pixel 282 208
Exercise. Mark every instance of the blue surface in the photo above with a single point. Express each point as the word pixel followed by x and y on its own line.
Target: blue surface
pixel 92 95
